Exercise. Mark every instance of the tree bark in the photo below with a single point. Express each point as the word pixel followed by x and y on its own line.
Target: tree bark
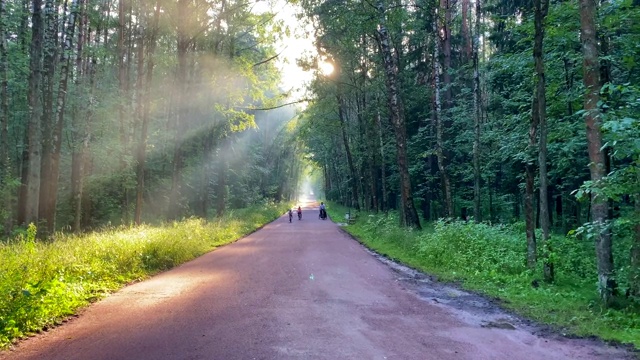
pixel 5 164
pixel 32 198
pixel 79 129
pixel 179 110
pixel 383 176
pixel 634 274
pixel 439 120
pixel 477 119
pixel 345 140
pixel 123 87
pixel 56 129
pixel 409 216
pixel 468 45
pixel 529 213
pixel 541 8
pixel 599 206
pixel 4 97
pixel 144 111
pixel 48 114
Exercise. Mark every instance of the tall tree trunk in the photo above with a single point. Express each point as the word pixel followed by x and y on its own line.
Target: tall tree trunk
pixel 142 142
pixel 87 166
pixel 568 80
pixel 409 214
pixel 445 31
pixel 634 274
pixel 4 97
pixel 541 8
pixel 355 202
pixel 57 125
pixel 79 128
pixel 77 178
pixel 599 208
pixel 32 198
pixel 529 208
pixel 207 149
pixel 477 118
pixel 468 45
pixel 439 120
pixel 183 43
pixel 5 164
pixel 123 87
pixel 383 176
pixel 529 212
pixel 48 114
pixel 146 106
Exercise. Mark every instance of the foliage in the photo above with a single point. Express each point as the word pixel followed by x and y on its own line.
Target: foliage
pixel 42 283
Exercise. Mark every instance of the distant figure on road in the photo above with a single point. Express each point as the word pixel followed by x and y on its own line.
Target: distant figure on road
pixel 290 215
pixel 323 211
pixel 299 213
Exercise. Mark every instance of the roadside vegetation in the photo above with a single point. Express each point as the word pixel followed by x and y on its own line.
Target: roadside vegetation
pixel 41 283
pixel 490 259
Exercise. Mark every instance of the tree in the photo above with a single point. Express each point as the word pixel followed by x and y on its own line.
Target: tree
pixel 539 112
pixel 477 114
pixel 599 205
pixel 443 34
pixel 34 137
pixel 409 214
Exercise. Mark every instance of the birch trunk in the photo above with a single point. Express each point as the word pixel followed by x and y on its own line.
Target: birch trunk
pixel 439 120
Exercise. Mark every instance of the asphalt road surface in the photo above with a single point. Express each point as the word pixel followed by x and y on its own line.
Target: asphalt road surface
pixel 300 290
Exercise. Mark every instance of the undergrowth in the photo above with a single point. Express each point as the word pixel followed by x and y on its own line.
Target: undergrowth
pixel 43 282
pixel 491 259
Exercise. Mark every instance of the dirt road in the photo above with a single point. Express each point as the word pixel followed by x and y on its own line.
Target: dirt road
pixel 301 290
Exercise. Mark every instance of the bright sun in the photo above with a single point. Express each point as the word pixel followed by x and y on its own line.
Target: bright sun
pixel 325 68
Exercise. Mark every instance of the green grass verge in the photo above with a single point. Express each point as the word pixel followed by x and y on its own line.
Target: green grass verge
pixel 42 283
pixel 491 260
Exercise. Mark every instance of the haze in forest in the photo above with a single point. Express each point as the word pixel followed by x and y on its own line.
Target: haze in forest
pixel 519 117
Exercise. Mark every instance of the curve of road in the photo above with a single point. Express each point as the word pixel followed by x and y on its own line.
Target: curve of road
pixel 300 290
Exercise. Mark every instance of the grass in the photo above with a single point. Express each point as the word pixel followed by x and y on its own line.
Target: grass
pixel 491 260
pixel 42 283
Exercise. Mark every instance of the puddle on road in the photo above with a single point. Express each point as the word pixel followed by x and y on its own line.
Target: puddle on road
pixel 471 308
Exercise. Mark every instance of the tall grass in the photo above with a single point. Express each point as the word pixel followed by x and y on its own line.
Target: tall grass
pixel 41 283
pixel 492 259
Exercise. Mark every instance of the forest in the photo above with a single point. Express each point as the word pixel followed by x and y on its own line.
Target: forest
pixel 133 111
pixel 497 112
pixel 442 116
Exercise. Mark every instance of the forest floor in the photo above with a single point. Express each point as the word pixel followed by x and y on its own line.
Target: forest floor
pixel 300 290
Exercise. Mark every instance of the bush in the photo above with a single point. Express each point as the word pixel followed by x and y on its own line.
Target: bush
pixel 490 252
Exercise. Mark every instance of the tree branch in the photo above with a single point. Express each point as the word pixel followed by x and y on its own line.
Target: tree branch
pixel 277 106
